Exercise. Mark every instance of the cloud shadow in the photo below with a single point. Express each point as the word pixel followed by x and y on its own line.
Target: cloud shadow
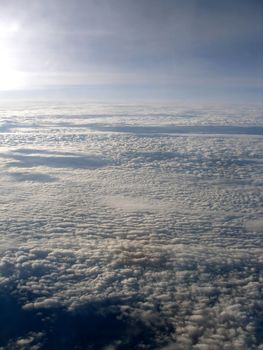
pixel 94 326
pixel 172 129
pixel 24 158
pixel 32 177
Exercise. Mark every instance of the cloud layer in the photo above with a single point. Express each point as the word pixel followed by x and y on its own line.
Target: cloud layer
pixel 139 240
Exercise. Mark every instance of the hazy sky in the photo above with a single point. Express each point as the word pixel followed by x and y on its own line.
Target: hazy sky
pixel 133 49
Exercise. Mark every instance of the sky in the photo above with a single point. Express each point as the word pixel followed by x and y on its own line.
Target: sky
pixel 160 50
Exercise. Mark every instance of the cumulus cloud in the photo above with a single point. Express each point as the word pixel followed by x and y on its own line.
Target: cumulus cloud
pixel 157 247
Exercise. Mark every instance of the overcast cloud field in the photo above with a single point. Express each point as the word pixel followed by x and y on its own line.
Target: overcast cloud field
pixel 131 227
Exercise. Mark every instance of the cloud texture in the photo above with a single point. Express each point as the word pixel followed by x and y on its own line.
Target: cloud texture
pixel 115 235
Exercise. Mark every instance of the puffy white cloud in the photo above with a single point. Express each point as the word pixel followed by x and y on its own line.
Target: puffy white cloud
pixel 162 236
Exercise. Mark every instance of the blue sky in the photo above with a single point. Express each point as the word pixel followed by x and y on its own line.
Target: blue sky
pixel 167 50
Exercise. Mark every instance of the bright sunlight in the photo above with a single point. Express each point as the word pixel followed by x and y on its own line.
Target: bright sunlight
pixel 10 77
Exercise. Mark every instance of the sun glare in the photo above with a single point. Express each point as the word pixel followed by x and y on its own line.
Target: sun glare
pixel 11 80
pixel 10 77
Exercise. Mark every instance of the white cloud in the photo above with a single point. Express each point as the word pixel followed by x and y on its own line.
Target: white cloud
pixel 167 232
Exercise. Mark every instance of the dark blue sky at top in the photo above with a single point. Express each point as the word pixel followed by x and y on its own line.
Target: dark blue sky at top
pixel 138 49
